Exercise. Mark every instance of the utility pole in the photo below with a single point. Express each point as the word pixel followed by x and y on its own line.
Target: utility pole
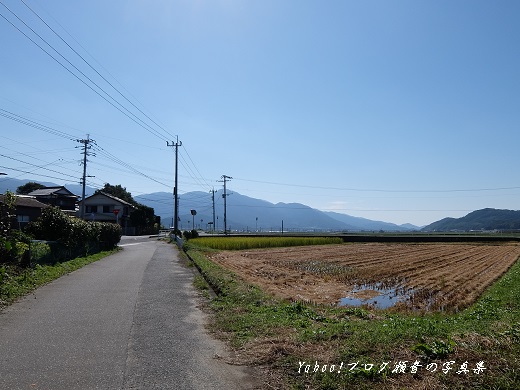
pixel 175 192
pixel 213 199
pixel 86 147
pixel 224 195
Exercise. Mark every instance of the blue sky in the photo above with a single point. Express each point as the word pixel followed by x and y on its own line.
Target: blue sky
pixel 402 111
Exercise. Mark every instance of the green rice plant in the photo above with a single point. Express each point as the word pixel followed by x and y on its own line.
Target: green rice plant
pixel 240 243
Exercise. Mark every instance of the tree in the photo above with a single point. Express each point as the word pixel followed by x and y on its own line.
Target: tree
pixel 143 218
pixel 29 187
pixel 7 213
pixel 119 192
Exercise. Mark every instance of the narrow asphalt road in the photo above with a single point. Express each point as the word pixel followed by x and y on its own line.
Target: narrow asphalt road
pixel 128 321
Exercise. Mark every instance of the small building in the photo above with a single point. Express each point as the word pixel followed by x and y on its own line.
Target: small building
pixel 103 207
pixel 27 209
pixel 56 196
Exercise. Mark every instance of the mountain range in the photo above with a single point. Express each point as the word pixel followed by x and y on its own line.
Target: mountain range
pixel 485 219
pixel 244 213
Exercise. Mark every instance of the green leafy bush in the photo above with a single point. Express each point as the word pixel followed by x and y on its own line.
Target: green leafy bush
pixel 109 235
pixel 188 235
pixel 73 236
pixel 437 349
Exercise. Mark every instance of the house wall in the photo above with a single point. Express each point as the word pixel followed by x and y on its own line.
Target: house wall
pixel 100 208
pixel 24 215
pixel 64 203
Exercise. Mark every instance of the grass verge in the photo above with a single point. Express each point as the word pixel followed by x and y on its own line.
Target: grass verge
pixel 322 347
pixel 16 281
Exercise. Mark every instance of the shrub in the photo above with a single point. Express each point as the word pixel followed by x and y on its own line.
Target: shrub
pixel 110 235
pixel 74 236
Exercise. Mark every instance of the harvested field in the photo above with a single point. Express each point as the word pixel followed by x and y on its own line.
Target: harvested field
pixel 410 276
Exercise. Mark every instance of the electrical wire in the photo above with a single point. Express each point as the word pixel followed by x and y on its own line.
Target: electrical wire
pixel 128 114
pixel 34 165
pixel 378 190
pixel 28 122
pixel 200 175
pixel 115 159
pixel 94 69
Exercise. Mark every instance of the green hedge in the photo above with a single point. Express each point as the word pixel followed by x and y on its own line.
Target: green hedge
pixel 72 236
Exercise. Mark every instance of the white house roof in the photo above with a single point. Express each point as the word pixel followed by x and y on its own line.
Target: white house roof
pixel 101 193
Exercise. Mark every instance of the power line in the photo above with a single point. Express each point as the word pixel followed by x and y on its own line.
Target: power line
pixel 34 165
pixel 126 165
pixel 28 122
pixel 194 166
pixel 40 174
pixel 134 118
pixel 94 69
pixel 379 190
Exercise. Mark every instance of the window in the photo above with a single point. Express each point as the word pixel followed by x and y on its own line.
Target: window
pixel 91 209
pixel 23 218
pixel 106 209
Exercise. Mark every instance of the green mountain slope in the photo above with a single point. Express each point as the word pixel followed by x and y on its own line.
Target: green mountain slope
pixel 485 219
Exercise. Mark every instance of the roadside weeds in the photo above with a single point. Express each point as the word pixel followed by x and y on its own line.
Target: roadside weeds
pixel 278 336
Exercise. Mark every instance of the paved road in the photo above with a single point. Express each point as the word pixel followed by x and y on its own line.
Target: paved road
pixel 128 321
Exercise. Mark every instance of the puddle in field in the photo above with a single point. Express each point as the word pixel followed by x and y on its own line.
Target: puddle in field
pixel 376 295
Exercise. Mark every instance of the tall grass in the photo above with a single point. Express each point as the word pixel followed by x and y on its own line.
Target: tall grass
pixel 239 243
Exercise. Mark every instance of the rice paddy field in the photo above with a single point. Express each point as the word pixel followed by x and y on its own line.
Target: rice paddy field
pixel 390 312
pixel 431 276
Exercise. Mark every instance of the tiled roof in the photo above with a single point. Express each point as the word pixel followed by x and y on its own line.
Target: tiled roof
pixel 51 190
pixel 25 201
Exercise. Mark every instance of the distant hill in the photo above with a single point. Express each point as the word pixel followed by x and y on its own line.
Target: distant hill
pixel 11 184
pixel 485 219
pixel 358 223
pixel 250 214
pixel 243 213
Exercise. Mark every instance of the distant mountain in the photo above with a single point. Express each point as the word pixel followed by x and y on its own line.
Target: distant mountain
pixel 250 214
pixel 358 223
pixel 243 213
pixel 11 184
pixel 485 219
pixel 410 226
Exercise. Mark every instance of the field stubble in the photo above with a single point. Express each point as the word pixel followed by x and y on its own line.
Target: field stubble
pixel 431 276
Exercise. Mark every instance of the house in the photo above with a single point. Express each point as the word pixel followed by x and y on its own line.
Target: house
pixel 27 208
pixel 56 196
pixel 103 207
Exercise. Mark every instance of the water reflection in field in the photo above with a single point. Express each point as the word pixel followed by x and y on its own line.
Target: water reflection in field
pixel 376 296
